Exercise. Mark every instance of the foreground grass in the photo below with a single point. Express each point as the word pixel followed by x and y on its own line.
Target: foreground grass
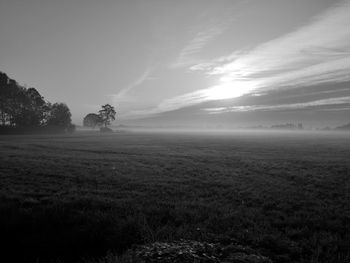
pixel 82 196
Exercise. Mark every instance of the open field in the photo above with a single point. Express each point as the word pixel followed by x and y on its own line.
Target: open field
pixel 79 196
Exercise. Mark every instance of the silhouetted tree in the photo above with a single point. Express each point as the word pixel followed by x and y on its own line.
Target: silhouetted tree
pixel 107 114
pixel 29 109
pixel 59 116
pixel 19 106
pixel 5 97
pixel 92 120
pixel 24 109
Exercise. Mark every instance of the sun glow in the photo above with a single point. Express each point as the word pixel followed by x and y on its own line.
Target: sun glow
pixel 229 90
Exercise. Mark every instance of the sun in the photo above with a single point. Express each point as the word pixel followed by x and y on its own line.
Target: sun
pixel 229 90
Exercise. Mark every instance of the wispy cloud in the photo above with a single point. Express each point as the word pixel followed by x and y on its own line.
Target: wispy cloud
pixel 218 92
pixel 315 53
pixel 293 106
pixel 122 95
pixel 316 49
pixel 319 48
pixel 198 42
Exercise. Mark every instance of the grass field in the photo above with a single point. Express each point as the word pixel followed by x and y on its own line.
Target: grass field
pixel 79 196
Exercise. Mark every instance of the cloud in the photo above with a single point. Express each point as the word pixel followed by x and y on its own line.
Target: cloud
pixel 316 49
pixel 217 92
pixel 197 43
pixel 293 106
pixel 313 54
pixel 122 95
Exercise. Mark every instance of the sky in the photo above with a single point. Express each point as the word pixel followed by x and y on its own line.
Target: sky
pixel 185 62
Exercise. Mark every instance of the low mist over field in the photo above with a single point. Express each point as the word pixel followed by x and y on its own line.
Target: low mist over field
pixel 197 131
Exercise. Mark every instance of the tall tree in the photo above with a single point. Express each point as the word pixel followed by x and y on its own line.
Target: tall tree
pixel 107 114
pixel 29 111
pixel 19 106
pixel 24 109
pixel 5 94
pixel 59 116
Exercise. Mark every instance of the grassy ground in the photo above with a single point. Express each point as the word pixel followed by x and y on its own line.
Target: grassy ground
pixel 80 196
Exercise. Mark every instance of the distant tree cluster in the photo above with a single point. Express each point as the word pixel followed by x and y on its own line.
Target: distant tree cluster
pixel 288 126
pixel 103 118
pixel 24 109
pixel 345 127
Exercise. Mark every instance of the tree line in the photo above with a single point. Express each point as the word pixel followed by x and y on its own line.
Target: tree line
pixel 24 109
